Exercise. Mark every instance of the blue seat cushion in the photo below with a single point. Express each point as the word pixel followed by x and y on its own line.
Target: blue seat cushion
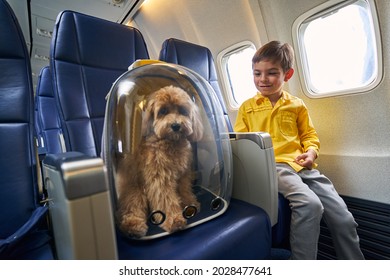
pixel 243 226
pixel 37 245
pixel 281 231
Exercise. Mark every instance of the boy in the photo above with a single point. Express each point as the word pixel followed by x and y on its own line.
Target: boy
pixel 296 145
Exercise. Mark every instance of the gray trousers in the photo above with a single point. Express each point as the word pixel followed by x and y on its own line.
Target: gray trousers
pixel 313 196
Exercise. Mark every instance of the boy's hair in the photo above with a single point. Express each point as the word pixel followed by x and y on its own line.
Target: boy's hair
pixel 276 52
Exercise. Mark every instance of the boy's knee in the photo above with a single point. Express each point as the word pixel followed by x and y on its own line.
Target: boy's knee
pixel 315 208
pixel 346 221
pixel 310 207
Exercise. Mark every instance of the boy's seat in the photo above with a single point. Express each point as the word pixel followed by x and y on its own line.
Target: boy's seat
pixel 199 59
pixel 196 58
pixel 23 232
pixel 84 64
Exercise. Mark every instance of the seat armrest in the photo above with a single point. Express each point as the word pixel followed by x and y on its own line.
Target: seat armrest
pixel 254 171
pixel 80 206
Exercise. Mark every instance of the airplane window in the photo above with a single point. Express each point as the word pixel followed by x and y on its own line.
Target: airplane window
pixel 339 49
pixel 237 72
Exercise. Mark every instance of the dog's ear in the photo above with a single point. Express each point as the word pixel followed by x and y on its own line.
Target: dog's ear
pixel 147 120
pixel 197 126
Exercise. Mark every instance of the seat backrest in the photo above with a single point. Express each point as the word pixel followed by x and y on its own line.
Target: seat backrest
pixel 19 195
pixel 47 122
pixel 197 58
pixel 87 55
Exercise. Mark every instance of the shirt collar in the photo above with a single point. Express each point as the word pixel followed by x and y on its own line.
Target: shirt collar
pixel 259 98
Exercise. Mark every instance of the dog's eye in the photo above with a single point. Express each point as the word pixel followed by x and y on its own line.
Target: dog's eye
pixel 163 111
pixel 183 111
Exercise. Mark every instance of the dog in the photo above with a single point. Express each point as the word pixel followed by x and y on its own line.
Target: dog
pixel 158 177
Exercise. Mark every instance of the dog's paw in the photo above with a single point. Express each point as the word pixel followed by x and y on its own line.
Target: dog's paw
pixel 134 226
pixel 174 224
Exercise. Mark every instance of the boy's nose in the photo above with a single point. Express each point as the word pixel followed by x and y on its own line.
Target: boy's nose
pixel 263 78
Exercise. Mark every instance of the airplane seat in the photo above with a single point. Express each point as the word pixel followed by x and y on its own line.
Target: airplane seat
pixel 84 65
pixel 23 232
pixel 199 59
pixel 281 231
pixel 47 120
pixel 196 58
pixel 87 55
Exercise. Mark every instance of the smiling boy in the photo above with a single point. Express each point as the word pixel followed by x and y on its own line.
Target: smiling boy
pixel 285 117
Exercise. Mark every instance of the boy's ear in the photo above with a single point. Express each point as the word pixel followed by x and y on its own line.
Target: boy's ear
pixel 288 74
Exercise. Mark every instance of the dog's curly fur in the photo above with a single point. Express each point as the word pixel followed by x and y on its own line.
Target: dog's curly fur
pixel 158 177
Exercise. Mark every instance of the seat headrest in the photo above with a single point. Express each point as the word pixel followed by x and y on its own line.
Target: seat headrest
pixel 76 43
pixel 197 58
pixel 45 84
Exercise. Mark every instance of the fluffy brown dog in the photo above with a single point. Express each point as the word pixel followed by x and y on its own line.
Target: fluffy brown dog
pixel 158 177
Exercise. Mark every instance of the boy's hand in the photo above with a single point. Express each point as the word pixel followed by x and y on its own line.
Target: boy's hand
pixel 306 159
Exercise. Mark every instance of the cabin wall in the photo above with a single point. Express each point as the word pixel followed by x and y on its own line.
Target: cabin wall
pixel 215 24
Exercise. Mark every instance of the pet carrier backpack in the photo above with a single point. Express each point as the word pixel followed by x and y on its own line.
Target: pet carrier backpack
pixel 126 113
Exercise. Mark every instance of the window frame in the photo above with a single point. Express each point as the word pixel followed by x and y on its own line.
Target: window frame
pixel 301 62
pixel 222 60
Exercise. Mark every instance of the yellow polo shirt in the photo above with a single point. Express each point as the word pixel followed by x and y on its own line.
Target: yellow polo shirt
pixel 288 123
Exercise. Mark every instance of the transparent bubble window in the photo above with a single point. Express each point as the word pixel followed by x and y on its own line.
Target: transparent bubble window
pixel 167 151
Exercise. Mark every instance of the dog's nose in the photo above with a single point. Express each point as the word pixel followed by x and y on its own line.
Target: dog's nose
pixel 175 127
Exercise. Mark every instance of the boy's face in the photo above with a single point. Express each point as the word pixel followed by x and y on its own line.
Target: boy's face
pixel 269 78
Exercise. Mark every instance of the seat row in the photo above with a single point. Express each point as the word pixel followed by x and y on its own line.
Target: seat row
pixel 67 116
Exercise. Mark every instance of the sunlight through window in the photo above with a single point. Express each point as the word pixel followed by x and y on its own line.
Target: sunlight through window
pixel 339 49
pixel 239 69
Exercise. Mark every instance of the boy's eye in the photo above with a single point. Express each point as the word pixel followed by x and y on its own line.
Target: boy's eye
pixel 257 74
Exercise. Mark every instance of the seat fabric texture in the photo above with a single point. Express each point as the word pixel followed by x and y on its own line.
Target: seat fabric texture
pixel 84 66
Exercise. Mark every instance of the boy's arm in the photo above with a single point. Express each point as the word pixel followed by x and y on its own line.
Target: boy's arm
pixel 309 139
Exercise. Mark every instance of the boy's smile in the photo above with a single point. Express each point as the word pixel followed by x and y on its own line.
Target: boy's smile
pixel 269 79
